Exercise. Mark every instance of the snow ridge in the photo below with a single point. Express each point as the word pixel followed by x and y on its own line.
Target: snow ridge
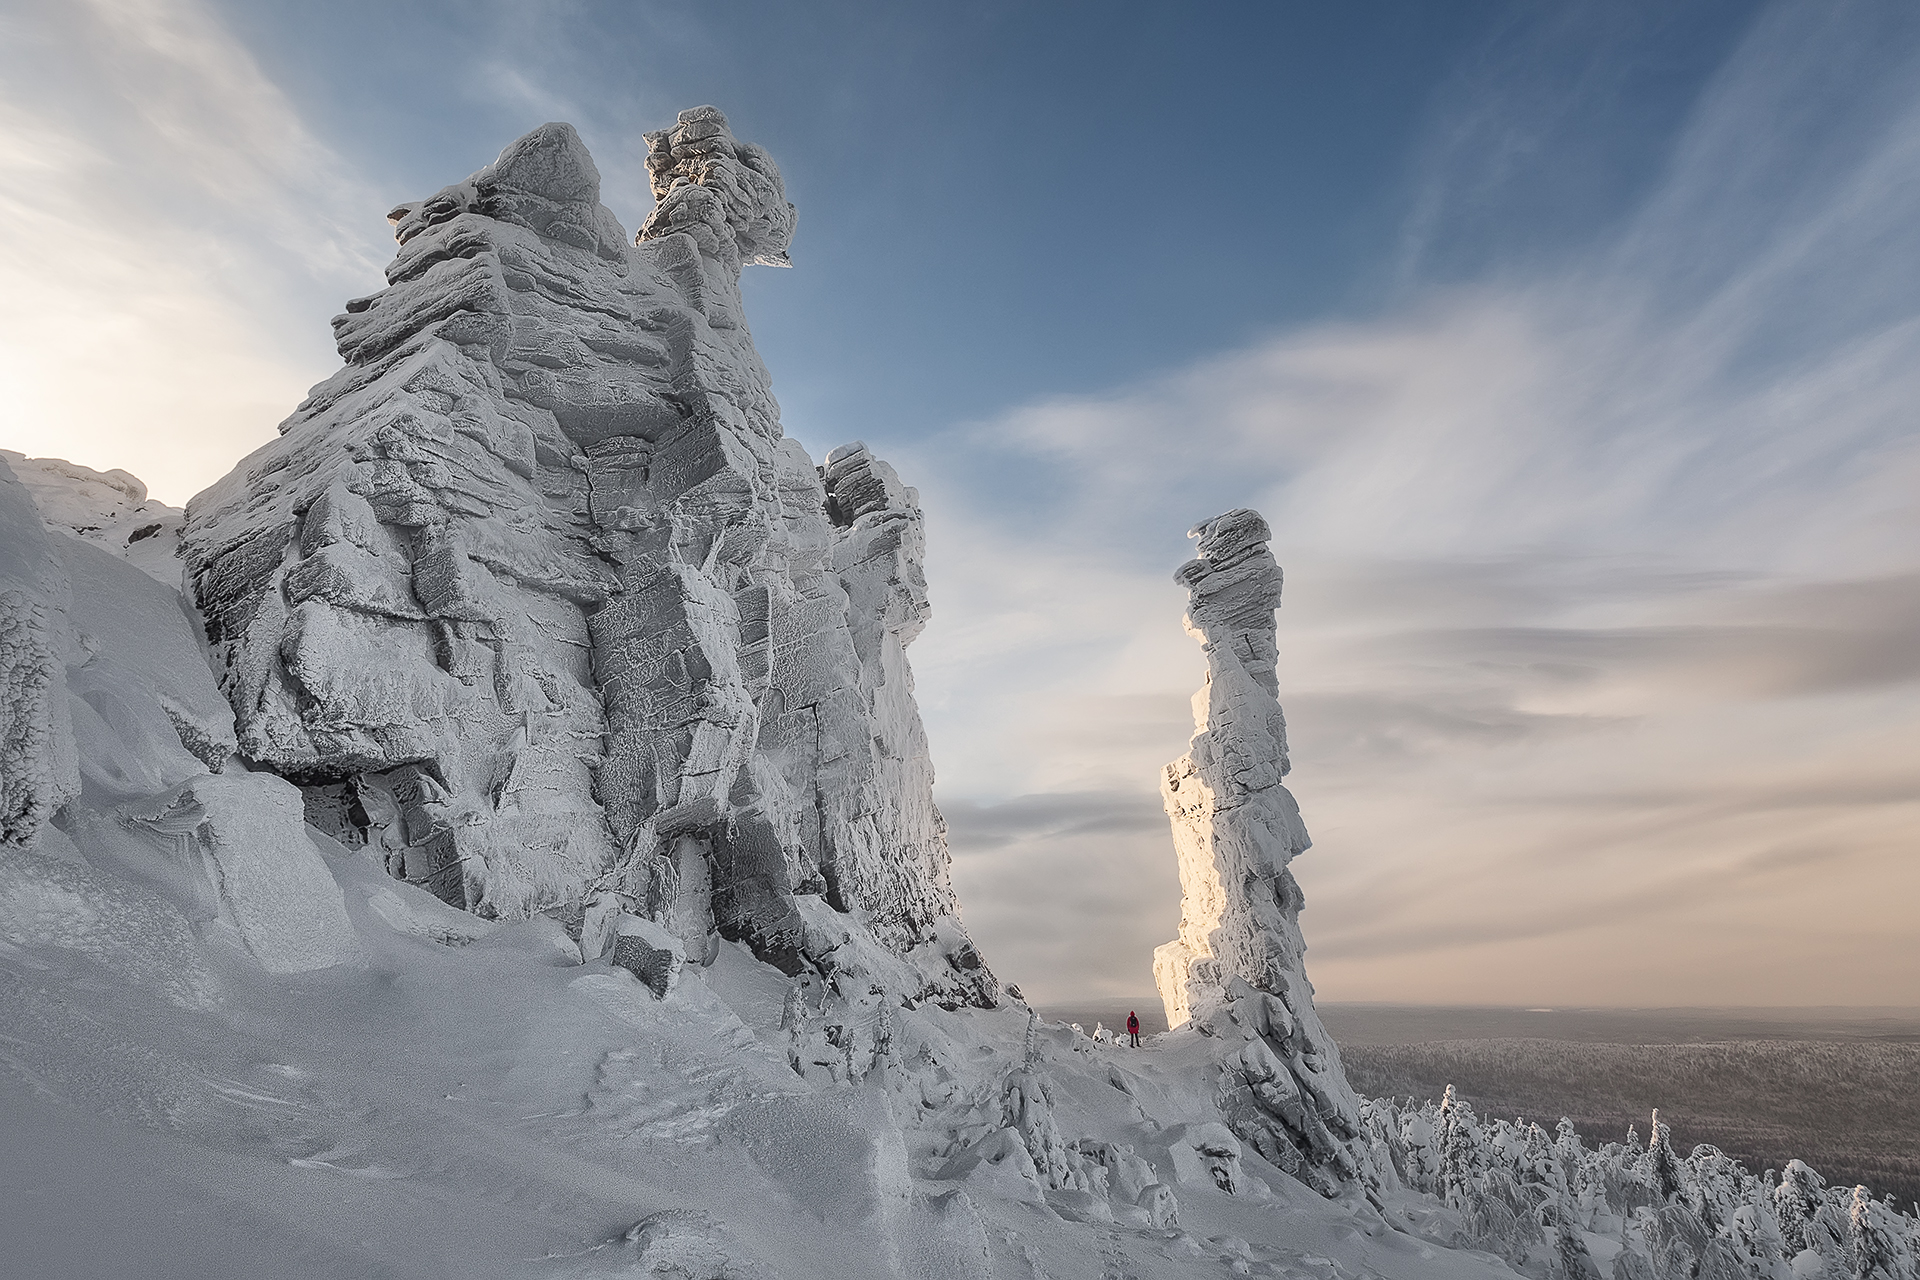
pixel 109 509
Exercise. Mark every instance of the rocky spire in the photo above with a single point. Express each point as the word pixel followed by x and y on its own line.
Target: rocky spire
pixel 726 193
pixel 536 600
pixel 1238 968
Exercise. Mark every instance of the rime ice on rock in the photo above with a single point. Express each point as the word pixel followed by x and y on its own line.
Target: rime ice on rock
pixel 535 598
pixel 725 193
pixel 38 769
pixel 109 509
pixel 1238 967
pixel 534 604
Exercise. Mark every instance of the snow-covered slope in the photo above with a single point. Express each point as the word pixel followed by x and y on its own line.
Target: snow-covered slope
pixel 235 1045
pixel 109 509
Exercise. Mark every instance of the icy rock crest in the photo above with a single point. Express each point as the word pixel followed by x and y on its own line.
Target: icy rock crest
pixel 726 193
pixel 1238 968
pixel 534 597
pixel 109 509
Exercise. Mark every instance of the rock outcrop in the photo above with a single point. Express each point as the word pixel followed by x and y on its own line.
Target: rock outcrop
pixel 1238 968
pixel 533 605
pixel 109 509
pixel 535 598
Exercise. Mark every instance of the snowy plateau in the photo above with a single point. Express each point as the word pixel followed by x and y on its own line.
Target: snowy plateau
pixel 491 833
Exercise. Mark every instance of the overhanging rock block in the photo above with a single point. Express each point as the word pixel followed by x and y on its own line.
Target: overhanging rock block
pixel 649 953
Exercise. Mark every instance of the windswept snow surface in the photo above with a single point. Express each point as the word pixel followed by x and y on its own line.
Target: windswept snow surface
pixel 499 1109
pixel 496 1108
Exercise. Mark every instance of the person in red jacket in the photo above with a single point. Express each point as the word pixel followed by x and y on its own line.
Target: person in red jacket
pixel 1133 1027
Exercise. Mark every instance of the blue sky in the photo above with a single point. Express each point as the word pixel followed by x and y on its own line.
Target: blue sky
pixel 975 179
pixel 1571 350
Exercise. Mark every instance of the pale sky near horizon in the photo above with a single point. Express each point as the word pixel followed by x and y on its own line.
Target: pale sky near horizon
pixel 1573 353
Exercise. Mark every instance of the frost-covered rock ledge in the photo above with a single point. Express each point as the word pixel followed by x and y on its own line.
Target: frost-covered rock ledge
pixel 491 833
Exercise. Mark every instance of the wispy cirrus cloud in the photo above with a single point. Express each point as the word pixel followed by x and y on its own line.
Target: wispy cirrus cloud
pixel 1601 532
pixel 1604 578
pixel 163 203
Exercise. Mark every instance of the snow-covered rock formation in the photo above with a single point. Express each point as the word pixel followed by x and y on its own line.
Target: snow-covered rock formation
pixel 1238 966
pixel 533 608
pixel 38 771
pixel 109 509
pixel 534 597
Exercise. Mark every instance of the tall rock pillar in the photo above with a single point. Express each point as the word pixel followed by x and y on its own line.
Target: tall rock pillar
pixel 1238 968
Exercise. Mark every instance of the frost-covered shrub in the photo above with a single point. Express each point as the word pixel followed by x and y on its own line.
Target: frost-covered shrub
pixel 1535 1200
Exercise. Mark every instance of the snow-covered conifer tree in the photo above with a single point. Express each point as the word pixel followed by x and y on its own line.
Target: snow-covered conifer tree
pixel 1879 1247
pixel 1663 1166
pixel 1460 1148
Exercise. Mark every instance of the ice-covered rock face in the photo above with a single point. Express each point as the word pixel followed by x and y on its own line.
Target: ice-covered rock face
pixel 535 597
pixel 1238 968
pixel 1235 826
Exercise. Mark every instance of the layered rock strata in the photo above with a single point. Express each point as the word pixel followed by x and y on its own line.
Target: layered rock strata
pixel 1238 968
pixel 535 599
